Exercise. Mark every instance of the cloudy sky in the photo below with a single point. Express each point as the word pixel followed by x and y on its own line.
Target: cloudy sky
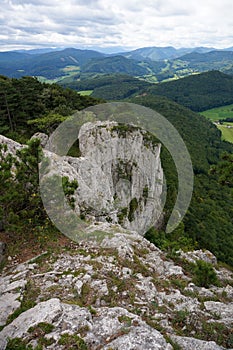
pixel 124 24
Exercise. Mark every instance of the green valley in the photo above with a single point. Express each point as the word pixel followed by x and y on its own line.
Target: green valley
pixel 219 113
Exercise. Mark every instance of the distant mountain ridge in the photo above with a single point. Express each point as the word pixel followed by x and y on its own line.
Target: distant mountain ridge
pixel 16 64
pixel 152 64
pixel 155 53
pixel 151 52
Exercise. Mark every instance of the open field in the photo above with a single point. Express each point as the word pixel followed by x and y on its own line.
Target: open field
pixel 85 92
pixel 219 113
pixel 227 131
pixel 69 73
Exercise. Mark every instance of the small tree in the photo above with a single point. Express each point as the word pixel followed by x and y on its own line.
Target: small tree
pixel 204 274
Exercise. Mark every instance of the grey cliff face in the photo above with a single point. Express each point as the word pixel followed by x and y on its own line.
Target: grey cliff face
pixel 119 174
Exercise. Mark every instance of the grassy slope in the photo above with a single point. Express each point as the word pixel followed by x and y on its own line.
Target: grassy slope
pixel 227 133
pixel 220 113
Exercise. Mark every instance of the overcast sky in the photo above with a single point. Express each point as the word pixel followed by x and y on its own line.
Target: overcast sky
pixel 127 24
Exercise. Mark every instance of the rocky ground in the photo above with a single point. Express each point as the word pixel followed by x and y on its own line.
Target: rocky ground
pixel 121 293
pixel 117 291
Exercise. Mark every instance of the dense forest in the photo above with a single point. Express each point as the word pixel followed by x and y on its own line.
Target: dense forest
pixel 209 220
pixel 197 92
pixel 28 106
pixel 111 86
pixel 26 99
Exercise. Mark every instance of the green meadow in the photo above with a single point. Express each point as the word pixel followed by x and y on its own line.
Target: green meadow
pixel 220 113
pixel 85 92
pixel 227 131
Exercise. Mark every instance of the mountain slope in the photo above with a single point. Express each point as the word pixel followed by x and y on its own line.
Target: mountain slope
pixel 109 86
pixel 116 64
pixel 198 92
pixel 213 60
pixel 151 64
pixel 209 218
pixel 211 57
pixel 47 64
pixel 161 53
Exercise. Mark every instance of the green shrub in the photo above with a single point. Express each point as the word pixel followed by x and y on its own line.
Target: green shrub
pixel 204 274
pixel 133 205
pixel 19 344
pixel 72 342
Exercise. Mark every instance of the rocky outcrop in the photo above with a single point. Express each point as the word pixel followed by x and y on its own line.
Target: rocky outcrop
pixel 108 328
pixel 195 255
pixel 42 137
pixel 119 174
pixel 121 293
pixel 12 146
pixel 195 344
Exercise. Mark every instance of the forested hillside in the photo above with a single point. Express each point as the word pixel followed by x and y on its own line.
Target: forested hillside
pixel 215 59
pixel 27 99
pixel 111 86
pixel 49 65
pixel 198 92
pixel 209 220
pixel 28 106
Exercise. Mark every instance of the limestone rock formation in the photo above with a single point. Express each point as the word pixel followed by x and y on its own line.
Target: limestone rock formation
pixel 119 175
pixel 122 293
pixel 42 137
pixel 12 146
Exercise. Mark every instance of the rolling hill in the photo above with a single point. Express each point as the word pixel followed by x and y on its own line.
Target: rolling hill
pixel 153 64
pixel 111 86
pixel 161 53
pixel 198 92
pixel 115 64
pixel 218 60
pixel 49 65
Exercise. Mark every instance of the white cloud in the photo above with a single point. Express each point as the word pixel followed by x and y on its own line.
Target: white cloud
pixel 131 23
